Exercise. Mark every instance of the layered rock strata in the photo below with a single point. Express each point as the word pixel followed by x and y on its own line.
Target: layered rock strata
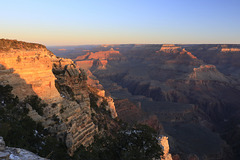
pixel 29 71
pixel 97 60
pixel 230 50
pixel 169 48
pixel 33 70
pixel 207 72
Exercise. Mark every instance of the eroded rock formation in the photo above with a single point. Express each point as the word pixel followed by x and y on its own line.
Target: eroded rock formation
pixel 172 83
pixel 98 60
pixel 29 71
pixel 33 70
pixel 169 48
pixel 230 50
pixel 163 142
pixel 208 72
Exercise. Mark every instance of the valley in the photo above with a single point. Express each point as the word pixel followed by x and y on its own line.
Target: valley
pixel 192 91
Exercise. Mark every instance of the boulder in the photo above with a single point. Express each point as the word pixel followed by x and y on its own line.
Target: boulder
pixel 2 144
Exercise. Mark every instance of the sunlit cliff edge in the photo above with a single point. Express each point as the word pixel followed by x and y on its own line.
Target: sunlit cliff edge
pixel 31 69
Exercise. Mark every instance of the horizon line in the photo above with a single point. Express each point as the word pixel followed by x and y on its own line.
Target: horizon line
pixel 141 44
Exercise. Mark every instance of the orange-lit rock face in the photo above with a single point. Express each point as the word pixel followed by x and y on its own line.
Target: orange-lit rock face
pixel 33 69
pixel 188 53
pixel 110 103
pixel 169 48
pixel 230 50
pixel 97 59
pixel 86 64
pixel 192 56
pixel 163 142
pixel 103 54
pixel 111 107
pixel 62 49
pixel 99 55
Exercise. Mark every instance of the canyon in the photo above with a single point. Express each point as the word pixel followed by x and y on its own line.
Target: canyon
pixel 31 69
pixel 188 92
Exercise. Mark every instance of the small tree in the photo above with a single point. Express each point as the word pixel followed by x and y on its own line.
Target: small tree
pixel 18 59
pixel 83 74
pixel 36 103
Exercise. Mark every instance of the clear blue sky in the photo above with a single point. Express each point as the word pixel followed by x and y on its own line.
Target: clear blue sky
pixel 73 22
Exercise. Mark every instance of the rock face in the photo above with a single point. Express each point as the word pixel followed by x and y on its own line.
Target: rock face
pixel 99 55
pixel 207 72
pixel 10 153
pixel 2 144
pixel 29 71
pixel 163 142
pixel 97 60
pixel 128 111
pixel 169 48
pixel 230 50
pixel 33 70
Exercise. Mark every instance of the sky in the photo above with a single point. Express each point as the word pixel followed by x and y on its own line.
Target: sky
pixel 77 22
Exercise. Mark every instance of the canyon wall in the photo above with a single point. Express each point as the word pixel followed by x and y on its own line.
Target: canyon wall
pixel 29 71
pixel 169 82
pixel 33 70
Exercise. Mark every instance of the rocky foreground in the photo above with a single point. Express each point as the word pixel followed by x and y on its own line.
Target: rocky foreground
pixel 10 153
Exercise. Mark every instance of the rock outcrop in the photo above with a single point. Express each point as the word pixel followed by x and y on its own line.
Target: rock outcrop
pixel 10 153
pixel 28 70
pixel 163 142
pixel 2 144
pixel 97 60
pixel 170 48
pixel 230 50
pixel 208 72
pixel 99 55
pixel 33 70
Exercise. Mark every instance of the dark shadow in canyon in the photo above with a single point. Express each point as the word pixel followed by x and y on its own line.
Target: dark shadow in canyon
pixel 20 87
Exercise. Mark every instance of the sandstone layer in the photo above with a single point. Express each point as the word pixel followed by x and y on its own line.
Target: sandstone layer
pixel 33 70
pixel 29 71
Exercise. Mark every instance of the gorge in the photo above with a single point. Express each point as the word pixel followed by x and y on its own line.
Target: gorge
pixel 188 92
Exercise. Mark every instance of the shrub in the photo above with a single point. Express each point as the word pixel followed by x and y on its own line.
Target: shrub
pixel 137 143
pixel 18 59
pixel 83 74
pixel 93 101
pixel 36 103
pixel 19 130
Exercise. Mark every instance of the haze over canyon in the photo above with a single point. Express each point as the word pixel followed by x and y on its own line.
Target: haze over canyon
pixel 188 92
pixel 136 101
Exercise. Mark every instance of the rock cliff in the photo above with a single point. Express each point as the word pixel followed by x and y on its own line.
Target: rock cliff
pixel 33 70
pixel 230 50
pixel 28 70
pixel 97 60
pixel 169 48
pixel 163 142
pixel 208 72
